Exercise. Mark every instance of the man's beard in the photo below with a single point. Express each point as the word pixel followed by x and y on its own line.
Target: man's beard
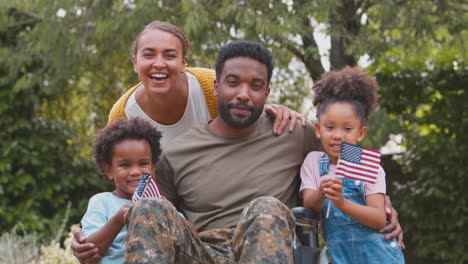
pixel 223 110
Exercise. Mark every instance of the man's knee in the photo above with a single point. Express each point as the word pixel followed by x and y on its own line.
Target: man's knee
pixel 265 232
pixel 149 208
pixel 268 205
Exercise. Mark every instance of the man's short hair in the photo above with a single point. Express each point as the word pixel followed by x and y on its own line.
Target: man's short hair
pixel 244 48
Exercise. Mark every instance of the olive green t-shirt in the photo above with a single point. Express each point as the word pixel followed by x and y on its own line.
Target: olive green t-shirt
pixel 212 178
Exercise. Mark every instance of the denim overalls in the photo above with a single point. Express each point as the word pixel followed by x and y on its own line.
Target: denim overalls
pixel 349 241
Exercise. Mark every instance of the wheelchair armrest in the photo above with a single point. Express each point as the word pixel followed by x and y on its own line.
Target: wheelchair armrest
pixel 305 217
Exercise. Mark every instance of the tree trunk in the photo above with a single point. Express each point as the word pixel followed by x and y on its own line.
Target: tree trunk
pixel 344 26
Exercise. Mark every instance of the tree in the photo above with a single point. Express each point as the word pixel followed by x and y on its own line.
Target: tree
pixel 423 86
pixel 39 171
pixel 432 198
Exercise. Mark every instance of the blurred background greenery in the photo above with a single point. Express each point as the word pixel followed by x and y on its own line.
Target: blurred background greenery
pixel 63 64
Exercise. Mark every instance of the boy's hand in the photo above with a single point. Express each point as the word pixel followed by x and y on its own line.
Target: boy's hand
pixel 122 211
pixel 84 252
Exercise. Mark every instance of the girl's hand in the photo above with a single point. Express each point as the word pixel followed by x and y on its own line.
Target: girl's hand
pixel 334 191
pixel 324 184
pixel 282 115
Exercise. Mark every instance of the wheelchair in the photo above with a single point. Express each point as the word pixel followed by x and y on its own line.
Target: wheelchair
pixel 306 250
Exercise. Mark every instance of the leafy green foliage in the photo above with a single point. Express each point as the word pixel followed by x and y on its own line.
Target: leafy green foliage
pixel 423 83
pixel 39 172
pixel 433 200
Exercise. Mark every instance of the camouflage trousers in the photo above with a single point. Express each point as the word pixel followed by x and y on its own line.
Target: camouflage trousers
pixel 158 234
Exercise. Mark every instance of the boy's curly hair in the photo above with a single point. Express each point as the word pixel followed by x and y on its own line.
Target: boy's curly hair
pixel 122 129
pixel 349 84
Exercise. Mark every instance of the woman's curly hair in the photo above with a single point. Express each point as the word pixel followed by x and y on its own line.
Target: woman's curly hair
pixel 122 129
pixel 349 84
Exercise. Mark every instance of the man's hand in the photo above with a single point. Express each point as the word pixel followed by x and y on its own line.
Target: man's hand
pixel 394 225
pixel 86 253
pixel 282 115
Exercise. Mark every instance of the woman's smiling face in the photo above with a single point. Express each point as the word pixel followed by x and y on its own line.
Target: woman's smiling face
pixel 159 60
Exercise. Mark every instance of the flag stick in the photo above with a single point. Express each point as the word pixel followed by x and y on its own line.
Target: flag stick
pixel 328 209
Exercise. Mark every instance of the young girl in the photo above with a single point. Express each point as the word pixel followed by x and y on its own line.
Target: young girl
pixel 124 150
pixel 344 99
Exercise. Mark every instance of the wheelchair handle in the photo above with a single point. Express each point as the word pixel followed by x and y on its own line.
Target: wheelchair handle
pixel 305 217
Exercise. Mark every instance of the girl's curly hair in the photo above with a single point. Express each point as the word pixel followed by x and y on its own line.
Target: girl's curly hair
pixel 349 84
pixel 122 129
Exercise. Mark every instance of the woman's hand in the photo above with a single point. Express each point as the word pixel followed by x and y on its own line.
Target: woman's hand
pixel 282 116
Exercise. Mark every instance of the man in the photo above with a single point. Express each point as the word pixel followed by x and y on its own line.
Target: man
pixel 213 172
pixel 232 178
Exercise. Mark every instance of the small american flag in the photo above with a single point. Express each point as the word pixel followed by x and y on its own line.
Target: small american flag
pixel 147 187
pixel 358 163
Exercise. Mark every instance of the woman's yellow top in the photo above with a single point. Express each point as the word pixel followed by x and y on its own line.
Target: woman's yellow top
pixel 204 76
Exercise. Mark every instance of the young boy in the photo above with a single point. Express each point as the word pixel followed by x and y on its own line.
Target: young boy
pixel 124 150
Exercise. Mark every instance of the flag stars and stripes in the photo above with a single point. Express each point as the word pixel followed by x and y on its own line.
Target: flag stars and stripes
pixel 358 163
pixel 147 187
